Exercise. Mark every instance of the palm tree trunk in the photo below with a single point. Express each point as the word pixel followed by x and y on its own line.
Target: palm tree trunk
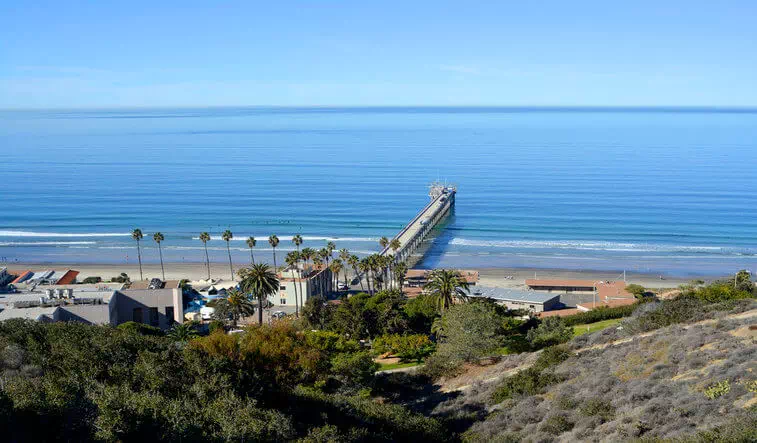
pixel 260 310
pixel 207 260
pixel 296 306
pixel 359 277
pixel 302 300
pixel 139 257
pixel 252 258
pixel 275 268
pixel 231 268
pixel 345 276
pixel 162 270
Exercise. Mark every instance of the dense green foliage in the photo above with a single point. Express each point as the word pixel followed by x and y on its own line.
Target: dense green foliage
pixel 406 347
pixel 533 380
pixel 551 331
pixel 77 382
pixel 599 314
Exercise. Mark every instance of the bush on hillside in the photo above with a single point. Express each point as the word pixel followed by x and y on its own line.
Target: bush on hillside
pixel 599 314
pixel 407 347
pixel 550 332
pixel 92 280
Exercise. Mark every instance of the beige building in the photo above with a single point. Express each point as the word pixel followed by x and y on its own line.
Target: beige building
pixel 155 307
pixel 312 280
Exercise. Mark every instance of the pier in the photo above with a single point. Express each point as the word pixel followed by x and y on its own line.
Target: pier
pixel 412 235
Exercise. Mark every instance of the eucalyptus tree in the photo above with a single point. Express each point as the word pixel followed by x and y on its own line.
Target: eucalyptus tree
pixel 291 260
pixel 136 234
pixel 273 240
pixel 227 236
pixel 158 238
pixel 205 238
pixel 354 262
pixel 251 242
pixel 447 286
pixel 260 281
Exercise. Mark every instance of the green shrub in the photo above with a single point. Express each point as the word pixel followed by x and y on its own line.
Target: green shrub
pixel 718 389
pixel 406 347
pixel 140 328
pixel 535 379
pixel 597 407
pixel 599 314
pixel 92 280
pixel 556 425
pixel 551 331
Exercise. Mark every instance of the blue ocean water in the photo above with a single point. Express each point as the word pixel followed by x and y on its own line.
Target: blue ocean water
pixel 658 190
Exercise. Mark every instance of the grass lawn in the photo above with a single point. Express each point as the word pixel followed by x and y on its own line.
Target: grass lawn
pixel 593 327
pixel 386 367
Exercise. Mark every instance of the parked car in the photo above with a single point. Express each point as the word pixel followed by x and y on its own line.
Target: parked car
pixel 343 287
pixel 279 315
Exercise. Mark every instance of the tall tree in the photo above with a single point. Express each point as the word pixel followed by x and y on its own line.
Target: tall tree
pixel 236 305
pixel 158 238
pixel 227 236
pixel 383 242
pixel 325 255
pixel 345 256
pixel 354 261
pixel 317 262
pixel 447 286
pixel 365 268
pixel 251 242
pixel 205 238
pixel 297 240
pixel 260 281
pixel 136 234
pixel 336 268
pixel 291 260
pixel 395 245
pixel 400 271
pixel 273 240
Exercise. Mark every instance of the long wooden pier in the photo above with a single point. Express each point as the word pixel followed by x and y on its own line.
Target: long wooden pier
pixel 412 235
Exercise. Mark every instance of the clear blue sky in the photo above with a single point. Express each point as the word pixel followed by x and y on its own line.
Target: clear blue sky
pixel 166 53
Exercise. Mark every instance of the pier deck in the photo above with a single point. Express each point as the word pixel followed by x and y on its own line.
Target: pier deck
pixel 413 234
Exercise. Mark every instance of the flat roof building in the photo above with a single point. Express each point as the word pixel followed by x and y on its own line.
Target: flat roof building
pixel 533 301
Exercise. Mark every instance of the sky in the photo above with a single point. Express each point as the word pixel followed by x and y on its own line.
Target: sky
pixel 72 54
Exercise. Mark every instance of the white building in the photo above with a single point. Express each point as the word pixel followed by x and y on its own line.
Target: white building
pixel 310 281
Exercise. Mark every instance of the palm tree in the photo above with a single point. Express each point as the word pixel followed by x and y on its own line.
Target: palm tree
pixel 227 236
pixel 331 246
pixel 307 254
pixel 400 271
pixel 336 267
pixel 291 260
pixel 136 234
pixel 182 332
pixel 446 286
pixel 259 280
pixel 251 242
pixel 205 238
pixel 383 241
pixel 365 268
pixel 297 240
pixel 237 304
pixel 344 255
pixel 158 237
pixel 395 244
pixel 318 262
pixel 354 261
pixel 274 241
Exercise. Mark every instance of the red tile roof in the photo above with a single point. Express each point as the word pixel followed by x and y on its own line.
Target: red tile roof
pixel 21 277
pixel 561 283
pixel 559 312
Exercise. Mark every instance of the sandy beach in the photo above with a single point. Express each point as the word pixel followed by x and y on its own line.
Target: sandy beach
pixel 489 276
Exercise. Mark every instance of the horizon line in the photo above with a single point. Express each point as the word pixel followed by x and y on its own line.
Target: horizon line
pixel 631 108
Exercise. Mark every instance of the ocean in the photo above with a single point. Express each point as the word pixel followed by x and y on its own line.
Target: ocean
pixel 649 190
